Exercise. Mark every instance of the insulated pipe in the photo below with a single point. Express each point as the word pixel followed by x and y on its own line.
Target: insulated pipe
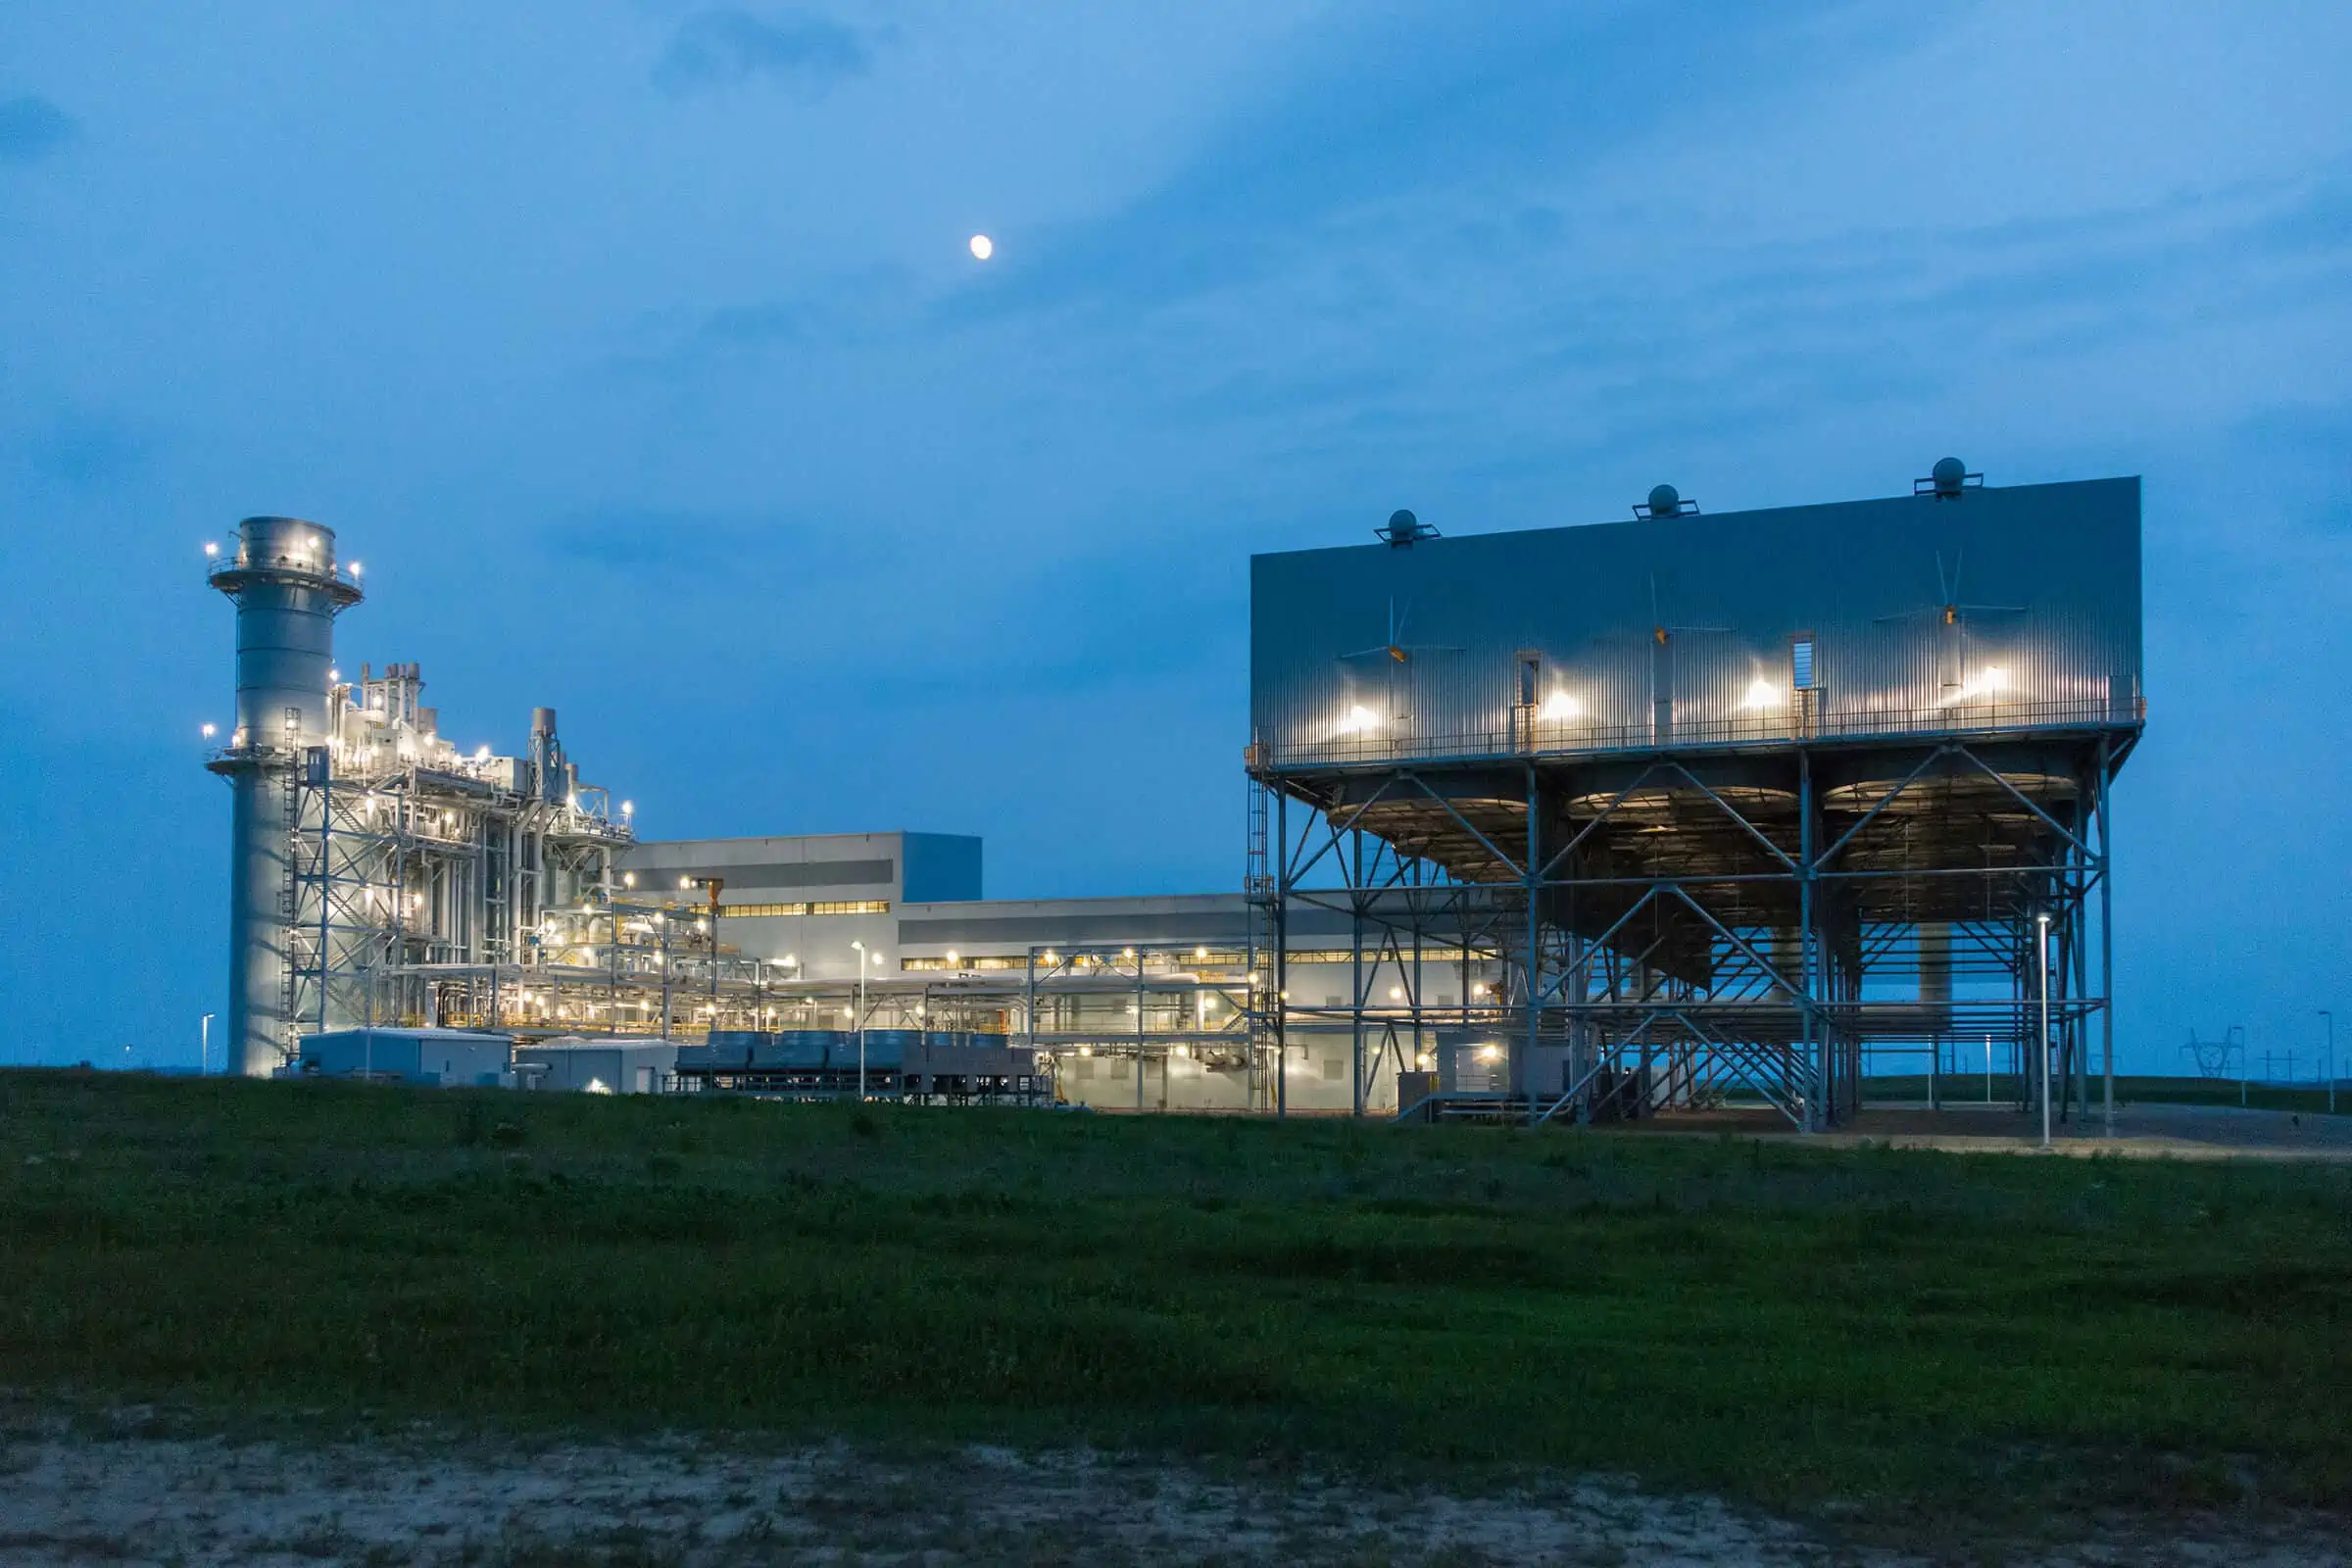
pixel 284 579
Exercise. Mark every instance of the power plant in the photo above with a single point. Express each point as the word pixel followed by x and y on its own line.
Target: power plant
pixel 1586 822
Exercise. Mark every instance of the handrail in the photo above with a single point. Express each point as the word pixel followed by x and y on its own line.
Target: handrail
pixel 1564 738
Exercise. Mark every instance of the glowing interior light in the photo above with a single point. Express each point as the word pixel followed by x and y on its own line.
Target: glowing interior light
pixel 1761 693
pixel 1359 720
pixel 1488 1052
pixel 1396 992
pixel 1200 952
pixel 953 956
pixel 1559 706
pixel 628 879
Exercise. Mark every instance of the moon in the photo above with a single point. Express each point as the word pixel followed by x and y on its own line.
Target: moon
pixel 983 247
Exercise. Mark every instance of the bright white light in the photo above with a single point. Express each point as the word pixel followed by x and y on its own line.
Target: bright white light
pixel 983 247
pixel 1200 952
pixel 355 568
pixel 953 956
pixel 1761 693
pixel 1488 1052
pixel 849 1013
pixel 1559 706
pixel 628 879
pixel 334 674
pixel 1478 990
pixel 877 960
pixel 573 802
pixel 481 753
pixel 685 881
pixel 628 807
pixel 1359 720
pixel 211 730
pixel 1984 683
pixel 1396 992
pixel 211 548
pixel 789 958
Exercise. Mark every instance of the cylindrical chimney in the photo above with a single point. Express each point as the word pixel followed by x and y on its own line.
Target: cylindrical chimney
pixel 283 581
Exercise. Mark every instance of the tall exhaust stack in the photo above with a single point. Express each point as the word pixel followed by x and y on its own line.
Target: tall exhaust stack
pixel 284 579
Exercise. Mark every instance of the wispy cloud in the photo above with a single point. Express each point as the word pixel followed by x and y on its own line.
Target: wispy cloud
pixel 32 128
pixel 728 45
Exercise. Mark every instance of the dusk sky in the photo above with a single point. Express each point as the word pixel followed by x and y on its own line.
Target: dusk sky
pixel 637 351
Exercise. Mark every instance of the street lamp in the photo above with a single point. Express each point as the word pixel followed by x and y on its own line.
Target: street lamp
pixel 2042 947
pixel 861 947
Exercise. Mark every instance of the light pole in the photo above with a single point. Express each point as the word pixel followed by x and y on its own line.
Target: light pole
pixel 2042 953
pixel 860 1020
pixel 204 1046
pixel 2331 1017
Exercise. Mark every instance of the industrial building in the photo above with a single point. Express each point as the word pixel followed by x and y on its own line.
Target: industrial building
pixel 1739 800
pixel 1596 821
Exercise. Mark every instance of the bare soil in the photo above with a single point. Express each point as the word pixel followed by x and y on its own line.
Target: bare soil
pixel 70 1493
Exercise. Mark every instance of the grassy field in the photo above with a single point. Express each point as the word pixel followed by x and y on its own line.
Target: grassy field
pixel 1874 1329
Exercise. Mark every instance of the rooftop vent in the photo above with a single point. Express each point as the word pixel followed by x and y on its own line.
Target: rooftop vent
pixel 1947 479
pixel 1403 529
pixel 1665 500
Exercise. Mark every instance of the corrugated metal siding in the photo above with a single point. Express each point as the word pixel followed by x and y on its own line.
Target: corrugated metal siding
pixel 2053 571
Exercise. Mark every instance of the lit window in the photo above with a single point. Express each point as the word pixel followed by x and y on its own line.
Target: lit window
pixel 1800 664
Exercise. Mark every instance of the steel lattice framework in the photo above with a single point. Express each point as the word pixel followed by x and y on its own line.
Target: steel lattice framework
pixel 1742 876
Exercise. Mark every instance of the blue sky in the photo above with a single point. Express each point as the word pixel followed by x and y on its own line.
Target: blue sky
pixel 635 348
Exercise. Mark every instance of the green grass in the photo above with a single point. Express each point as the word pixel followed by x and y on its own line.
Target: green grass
pixel 1795 1325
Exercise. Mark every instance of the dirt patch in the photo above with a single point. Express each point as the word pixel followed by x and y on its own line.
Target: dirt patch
pixel 66 1496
